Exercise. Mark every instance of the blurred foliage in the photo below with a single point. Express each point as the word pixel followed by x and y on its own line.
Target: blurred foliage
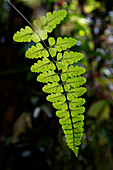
pixel 31 137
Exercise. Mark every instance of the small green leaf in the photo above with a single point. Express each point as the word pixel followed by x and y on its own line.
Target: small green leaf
pixel 59 40
pixel 39 46
pixel 49 16
pixel 63 77
pixel 73 71
pixel 24 35
pixel 28 29
pixel 52 51
pixel 35 37
pixel 48 29
pixel 37 24
pixel 75 81
pixel 65 43
pixel 74 93
pixel 45 53
pixel 59 56
pixel 43 20
pixel 67 87
pixel 59 65
pixel 43 34
pixel 53 19
pixel 56 97
pixel 53 88
pixel 49 76
pixel 75 103
pixel 42 66
pixel 35 52
pixel 71 57
pixel 51 41
pixel 60 105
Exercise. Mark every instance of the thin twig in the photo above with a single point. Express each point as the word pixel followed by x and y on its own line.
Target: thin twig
pixel 27 22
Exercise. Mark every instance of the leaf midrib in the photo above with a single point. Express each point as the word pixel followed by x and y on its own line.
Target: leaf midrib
pixel 24 35
pixel 51 20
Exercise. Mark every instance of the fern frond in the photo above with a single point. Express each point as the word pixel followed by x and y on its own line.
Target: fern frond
pixel 53 88
pixel 26 35
pixel 74 82
pixel 37 51
pixel 40 66
pixel 56 69
pixel 52 20
pixel 61 44
pixel 65 43
pixel 71 72
pixel 49 76
pixel 69 57
pixel 65 98
pixel 65 95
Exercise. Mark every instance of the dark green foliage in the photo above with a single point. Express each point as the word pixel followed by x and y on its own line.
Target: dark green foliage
pixel 62 78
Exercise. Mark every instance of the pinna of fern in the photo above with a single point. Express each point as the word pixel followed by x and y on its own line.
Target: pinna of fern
pixel 55 68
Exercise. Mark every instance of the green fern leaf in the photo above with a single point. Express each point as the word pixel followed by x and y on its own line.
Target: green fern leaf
pixel 74 82
pixel 52 20
pixel 52 52
pixel 69 57
pixel 53 88
pixel 24 35
pixel 37 24
pixel 43 34
pixel 37 52
pixel 43 20
pixel 56 97
pixel 63 44
pixel 35 38
pixel 51 41
pixel 49 76
pixel 40 66
pixel 72 71
pixel 63 80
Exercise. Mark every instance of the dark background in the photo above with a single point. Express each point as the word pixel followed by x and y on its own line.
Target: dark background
pixel 30 134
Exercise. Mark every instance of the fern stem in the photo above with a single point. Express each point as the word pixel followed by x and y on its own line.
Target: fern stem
pixel 20 13
pixel 27 22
